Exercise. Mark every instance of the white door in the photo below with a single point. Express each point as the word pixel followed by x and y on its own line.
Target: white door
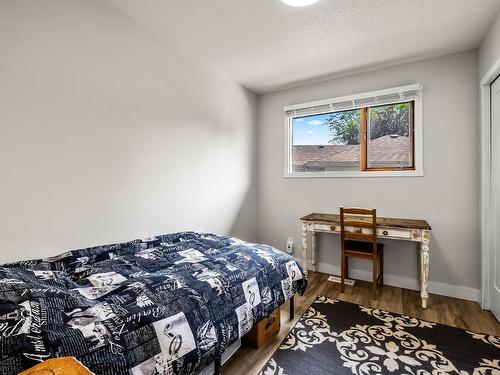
pixel 495 165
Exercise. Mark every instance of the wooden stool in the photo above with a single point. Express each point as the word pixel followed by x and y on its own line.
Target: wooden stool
pixel 58 366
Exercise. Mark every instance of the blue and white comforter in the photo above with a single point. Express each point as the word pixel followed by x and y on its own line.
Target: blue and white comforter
pixel 165 305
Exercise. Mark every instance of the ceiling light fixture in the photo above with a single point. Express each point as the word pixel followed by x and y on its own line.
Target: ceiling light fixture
pixel 299 3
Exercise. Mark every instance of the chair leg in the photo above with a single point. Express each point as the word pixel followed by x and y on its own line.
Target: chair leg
pixel 346 266
pixel 382 267
pixel 342 272
pixel 374 277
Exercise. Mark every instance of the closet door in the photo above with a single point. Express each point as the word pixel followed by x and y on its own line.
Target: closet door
pixel 495 166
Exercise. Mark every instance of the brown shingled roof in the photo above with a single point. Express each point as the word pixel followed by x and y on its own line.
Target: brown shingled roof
pixel 386 148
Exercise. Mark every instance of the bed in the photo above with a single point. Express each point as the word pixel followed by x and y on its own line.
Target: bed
pixel 169 304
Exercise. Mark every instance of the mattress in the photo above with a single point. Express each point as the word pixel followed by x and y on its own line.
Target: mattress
pixel 170 304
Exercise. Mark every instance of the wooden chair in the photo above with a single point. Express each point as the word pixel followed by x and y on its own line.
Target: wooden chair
pixel 360 241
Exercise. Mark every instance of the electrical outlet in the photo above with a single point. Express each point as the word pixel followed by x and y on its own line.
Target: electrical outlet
pixel 289 245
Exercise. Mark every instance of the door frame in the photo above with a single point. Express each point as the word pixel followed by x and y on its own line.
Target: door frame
pixel 486 219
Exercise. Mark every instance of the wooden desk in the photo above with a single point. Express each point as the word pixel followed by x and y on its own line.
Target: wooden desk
pixel 387 228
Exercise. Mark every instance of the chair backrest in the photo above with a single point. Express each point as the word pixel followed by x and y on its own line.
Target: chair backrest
pixel 359 219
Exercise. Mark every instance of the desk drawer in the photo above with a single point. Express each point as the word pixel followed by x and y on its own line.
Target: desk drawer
pixel 326 227
pixel 404 234
pixel 394 233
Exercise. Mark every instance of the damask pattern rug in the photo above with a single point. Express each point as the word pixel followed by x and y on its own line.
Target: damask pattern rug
pixel 336 337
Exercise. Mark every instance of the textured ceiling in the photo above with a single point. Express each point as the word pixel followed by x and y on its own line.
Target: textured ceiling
pixel 265 45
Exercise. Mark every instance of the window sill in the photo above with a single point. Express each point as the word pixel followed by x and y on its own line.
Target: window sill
pixel 343 174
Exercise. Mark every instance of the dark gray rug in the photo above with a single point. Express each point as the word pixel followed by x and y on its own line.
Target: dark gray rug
pixel 336 337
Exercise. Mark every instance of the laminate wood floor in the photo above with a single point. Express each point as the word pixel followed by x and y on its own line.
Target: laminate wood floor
pixel 446 310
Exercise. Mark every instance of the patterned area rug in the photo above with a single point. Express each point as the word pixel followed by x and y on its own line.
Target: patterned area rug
pixel 336 337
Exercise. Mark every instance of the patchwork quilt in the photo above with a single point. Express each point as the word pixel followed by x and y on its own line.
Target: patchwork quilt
pixel 163 305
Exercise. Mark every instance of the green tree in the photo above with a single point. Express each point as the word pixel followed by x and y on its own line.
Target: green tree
pixel 384 120
pixel 389 119
pixel 344 127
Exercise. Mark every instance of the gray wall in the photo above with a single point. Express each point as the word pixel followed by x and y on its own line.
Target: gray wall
pixel 489 52
pixel 447 196
pixel 108 134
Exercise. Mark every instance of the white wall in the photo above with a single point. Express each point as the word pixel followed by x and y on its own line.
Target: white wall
pixel 447 196
pixel 489 52
pixel 108 134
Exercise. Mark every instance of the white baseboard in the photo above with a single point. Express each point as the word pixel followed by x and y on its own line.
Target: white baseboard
pixel 455 291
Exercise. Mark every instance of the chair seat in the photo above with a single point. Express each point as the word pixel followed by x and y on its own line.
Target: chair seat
pixel 360 247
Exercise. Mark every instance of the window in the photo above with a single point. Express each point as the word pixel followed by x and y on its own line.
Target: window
pixel 327 142
pixel 389 132
pixel 372 134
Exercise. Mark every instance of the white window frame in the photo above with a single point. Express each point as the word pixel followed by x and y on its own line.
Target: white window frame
pixel 418 135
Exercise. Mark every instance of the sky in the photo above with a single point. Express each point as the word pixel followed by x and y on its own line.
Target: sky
pixel 311 130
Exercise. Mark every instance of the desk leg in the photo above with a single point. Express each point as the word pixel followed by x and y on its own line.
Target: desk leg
pixel 314 251
pixel 424 266
pixel 304 247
